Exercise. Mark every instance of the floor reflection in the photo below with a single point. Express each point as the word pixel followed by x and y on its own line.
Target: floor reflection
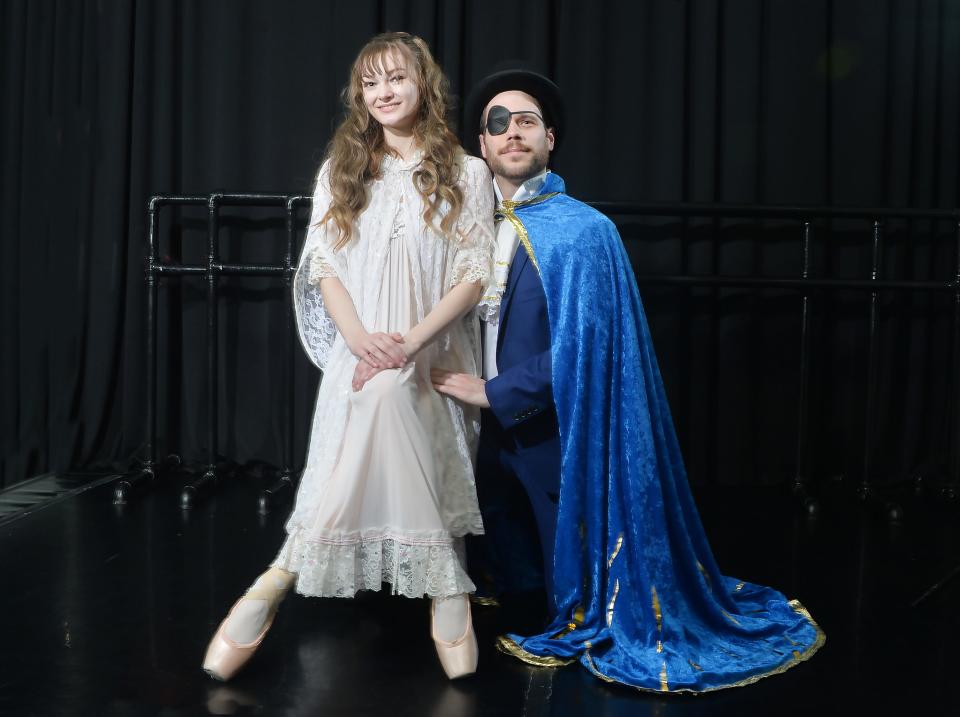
pixel 110 612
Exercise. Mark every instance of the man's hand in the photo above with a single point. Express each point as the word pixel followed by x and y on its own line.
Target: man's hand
pixel 461 386
pixel 363 373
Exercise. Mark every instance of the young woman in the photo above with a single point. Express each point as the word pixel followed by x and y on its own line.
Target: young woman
pixel 398 249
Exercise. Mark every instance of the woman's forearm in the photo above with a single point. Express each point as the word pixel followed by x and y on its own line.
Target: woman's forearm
pixel 337 301
pixel 378 349
pixel 457 302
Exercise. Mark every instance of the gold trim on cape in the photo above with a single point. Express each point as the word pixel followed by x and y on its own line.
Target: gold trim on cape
pixel 730 617
pixel 484 600
pixel 507 210
pixel 795 660
pixel 656 608
pixel 616 551
pixel 613 601
pixel 510 647
pixel 706 577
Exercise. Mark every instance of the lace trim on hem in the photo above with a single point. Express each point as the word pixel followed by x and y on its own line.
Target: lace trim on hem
pixel 413 570
pixel 440 537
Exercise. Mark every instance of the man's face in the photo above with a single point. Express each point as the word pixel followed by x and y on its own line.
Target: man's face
pixel 524 149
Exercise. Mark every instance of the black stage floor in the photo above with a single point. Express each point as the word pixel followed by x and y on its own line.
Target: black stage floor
pixel 107 610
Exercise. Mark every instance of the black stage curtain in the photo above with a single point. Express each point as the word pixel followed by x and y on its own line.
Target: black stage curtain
pixel 106 102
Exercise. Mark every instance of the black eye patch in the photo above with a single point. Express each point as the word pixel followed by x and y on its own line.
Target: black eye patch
pixel 498 118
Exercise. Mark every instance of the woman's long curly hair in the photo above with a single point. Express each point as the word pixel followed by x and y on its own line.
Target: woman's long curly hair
pixel 358 147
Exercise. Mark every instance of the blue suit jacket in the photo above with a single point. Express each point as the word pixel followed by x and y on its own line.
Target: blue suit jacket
pixel 521 395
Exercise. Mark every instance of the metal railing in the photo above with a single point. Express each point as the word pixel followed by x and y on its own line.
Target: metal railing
pixel 804 283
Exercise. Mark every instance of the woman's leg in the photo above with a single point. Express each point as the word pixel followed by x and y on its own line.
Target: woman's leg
pixel 453 635
pixel 250 614
pixel 450 617
pixel 452 628
pixel 244 628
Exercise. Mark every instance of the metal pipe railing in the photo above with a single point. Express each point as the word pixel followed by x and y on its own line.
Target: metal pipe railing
pixel 804 283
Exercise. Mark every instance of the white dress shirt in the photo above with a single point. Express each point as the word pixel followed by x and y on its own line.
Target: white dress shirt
pixel 507 242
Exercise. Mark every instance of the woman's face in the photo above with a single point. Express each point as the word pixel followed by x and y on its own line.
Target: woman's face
pixel 390 93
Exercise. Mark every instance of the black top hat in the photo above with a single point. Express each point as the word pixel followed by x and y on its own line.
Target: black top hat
pixel 517 78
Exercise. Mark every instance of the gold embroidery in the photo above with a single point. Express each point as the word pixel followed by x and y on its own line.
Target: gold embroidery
pixel 522 235
pixel 656 608
pixel 506 210
pixel 796 654
pixel 731 653
pixel 730 617
pixel 510 205
pixel 703 571
pixel 485 601
pixel 805 655
pixel 663 678
pixel 571 626
pixel 509 647
pixel 616 551
pixel 578 614
pixel 616 589
pixel 659 646
pixel 593 668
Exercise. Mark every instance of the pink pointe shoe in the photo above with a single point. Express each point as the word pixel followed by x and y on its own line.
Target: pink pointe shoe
pixel 458 658
pixel 225 657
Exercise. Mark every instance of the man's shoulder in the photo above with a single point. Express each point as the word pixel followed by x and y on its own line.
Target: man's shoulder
pixel 587 218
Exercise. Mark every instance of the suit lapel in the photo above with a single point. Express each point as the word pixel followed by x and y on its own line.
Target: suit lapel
pixel 520 261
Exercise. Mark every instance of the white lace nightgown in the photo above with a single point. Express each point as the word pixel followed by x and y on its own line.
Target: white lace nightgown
pixel 387 492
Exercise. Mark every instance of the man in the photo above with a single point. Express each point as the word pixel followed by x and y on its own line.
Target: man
pixel 637 594
pixel 519 439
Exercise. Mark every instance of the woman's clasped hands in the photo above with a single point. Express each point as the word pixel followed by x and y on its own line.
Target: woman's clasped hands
pixel 376 352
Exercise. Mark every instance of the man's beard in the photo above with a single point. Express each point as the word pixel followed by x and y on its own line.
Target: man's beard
pixel 536 163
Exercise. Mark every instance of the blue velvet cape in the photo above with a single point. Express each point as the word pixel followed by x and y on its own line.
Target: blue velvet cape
pixel 639 596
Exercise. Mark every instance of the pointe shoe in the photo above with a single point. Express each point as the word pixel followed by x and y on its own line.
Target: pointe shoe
pixel 224 657
pixel 458 658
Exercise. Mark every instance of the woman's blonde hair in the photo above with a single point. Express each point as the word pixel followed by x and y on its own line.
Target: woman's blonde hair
pixel 358 147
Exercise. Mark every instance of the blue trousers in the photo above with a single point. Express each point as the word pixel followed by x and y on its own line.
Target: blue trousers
pixel 518 485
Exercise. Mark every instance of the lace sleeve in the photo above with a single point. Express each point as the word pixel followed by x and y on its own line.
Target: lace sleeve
pixel 320 268
pixel 473 258
pixel 317 261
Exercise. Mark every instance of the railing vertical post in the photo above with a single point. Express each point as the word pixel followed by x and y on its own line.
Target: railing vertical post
pixel 129 484
pixel 197 488
pixel 803 459
pixel 873 364
pixel 269 495
pixel 213 325
pixel 952 486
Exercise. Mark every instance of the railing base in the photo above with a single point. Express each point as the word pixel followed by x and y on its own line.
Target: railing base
pixel 271 497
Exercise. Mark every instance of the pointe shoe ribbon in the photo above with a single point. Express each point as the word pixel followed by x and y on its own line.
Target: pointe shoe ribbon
pixel 458 658
pixel 224 657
